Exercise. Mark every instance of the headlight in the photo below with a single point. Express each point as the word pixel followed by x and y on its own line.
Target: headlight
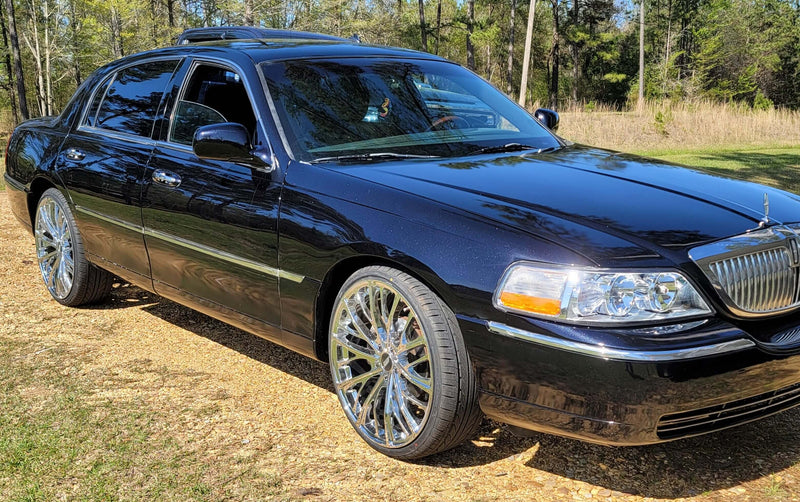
pixel 596 296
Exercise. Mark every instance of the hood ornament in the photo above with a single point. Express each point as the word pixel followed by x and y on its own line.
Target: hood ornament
pixel 765 221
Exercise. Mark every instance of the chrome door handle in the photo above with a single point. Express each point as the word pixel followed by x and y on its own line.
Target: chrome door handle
pixel 166 178
pixel 75 154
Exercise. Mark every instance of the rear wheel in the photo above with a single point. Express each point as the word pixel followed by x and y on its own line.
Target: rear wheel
pixel 67 274
pixel 399 365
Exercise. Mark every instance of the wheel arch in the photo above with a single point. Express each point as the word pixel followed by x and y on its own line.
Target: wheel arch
pixel 338 274
pixel 39 185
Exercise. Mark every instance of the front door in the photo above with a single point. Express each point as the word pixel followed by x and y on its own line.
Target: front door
pixel 211 226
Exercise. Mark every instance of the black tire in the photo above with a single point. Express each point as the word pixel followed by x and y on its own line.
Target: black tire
pixel 445 416
pixel 57 243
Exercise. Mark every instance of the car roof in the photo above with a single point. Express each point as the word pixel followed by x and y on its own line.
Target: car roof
pixel 258 51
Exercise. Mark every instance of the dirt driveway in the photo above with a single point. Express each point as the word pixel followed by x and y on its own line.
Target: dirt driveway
pixel 215 399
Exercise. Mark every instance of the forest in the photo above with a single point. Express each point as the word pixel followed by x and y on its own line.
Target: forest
pixel 583 53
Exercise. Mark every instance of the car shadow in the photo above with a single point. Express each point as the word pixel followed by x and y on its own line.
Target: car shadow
pixel 670 470
pixel 682 468
pixel 125 295
pixel 677 469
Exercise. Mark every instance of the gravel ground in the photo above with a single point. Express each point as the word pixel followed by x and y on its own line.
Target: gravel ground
pixel 239 397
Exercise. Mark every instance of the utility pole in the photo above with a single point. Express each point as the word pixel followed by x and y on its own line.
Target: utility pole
pixel 523 87
pixel 640 104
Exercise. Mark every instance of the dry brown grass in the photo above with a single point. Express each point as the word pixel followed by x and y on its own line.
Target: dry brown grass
pixel 680 126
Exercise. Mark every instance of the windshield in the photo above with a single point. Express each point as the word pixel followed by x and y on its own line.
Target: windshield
pixel 390 107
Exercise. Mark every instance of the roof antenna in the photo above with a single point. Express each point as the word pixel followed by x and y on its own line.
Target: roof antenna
pixel 355 38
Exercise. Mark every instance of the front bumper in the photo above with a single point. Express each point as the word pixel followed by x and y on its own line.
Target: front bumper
pixel 709 378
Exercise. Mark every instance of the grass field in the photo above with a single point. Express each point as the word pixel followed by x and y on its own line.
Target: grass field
pixel 776 166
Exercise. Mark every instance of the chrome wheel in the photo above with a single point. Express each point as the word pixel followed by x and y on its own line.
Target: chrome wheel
pixel 54 249
pixel 381 363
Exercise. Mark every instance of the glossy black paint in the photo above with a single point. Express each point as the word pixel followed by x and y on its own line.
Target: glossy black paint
pixel 543 389
pixel 227 141
pixel 232 238
pixel 548 117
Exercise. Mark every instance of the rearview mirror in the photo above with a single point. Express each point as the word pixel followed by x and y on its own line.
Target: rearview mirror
pixel 547 117
pixel 226 141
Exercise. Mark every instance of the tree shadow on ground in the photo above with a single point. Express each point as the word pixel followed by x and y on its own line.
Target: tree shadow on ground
pixel 780 170
pixel 670 470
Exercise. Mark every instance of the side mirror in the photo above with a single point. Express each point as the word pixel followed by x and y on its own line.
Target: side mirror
pixel 226 141
pixel 547 117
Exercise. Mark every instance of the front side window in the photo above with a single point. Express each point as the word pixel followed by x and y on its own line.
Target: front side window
pixel 132 98
pixel 212 95
pixel 350 107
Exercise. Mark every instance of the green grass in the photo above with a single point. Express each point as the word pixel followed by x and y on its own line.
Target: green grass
pixel 777 166
pixel 59 440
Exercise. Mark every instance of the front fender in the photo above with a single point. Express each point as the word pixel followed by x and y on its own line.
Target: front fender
pixel 324 237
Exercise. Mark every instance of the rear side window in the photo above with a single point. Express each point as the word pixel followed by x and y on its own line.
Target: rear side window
pixel 99 94
pixel 132 98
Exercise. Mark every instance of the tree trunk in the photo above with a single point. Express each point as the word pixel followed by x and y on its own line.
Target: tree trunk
pixel 438 26
pixel 73 28
pixel 171 13
pixel 576 66
pixel 19 76
pixel 641 54
pixel 248 13
pixel 526 62
pixel 48 80
pixel 423 29
pixel 9 69
pixel 554 58
pixel 116 34
pixel 510 68
pixel 36 51
pixel 667 47
pixel 470 28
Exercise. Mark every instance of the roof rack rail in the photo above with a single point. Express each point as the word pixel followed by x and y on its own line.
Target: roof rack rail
pixel 195 35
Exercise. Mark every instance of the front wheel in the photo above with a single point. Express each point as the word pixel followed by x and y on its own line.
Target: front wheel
pixel 67 274
pixel 399 365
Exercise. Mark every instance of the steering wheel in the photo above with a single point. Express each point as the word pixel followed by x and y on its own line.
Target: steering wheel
pixel 448 122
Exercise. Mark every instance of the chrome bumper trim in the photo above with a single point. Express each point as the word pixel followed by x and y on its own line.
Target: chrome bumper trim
pixel 618 354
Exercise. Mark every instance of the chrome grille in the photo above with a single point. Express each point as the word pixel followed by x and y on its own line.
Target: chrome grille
pixel 756 273
pixel 759 282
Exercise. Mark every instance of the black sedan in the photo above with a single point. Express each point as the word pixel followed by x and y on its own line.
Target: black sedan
pixel 391 213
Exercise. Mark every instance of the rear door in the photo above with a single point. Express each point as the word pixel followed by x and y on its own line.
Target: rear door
pixel 211 226
pixel 103 162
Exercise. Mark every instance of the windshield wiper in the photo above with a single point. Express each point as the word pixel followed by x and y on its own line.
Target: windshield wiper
pixel 361 157
pixel 511 147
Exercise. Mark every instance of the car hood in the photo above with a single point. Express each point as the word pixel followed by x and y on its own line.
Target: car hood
pixel 603 205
